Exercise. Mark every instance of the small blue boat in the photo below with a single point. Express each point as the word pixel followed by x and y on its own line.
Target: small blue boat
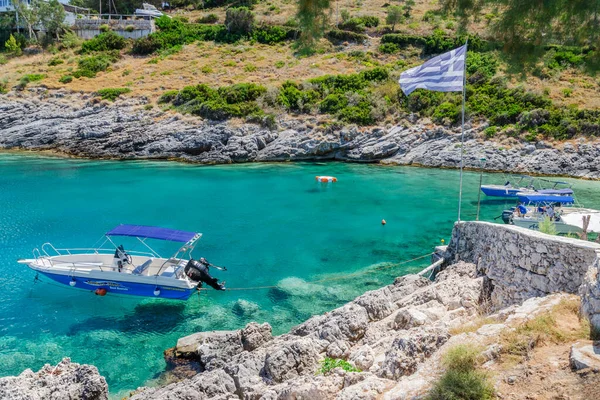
pixel 113 269
pixel 525 184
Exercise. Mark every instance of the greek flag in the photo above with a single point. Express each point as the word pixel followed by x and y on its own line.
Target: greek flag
pixel 444 73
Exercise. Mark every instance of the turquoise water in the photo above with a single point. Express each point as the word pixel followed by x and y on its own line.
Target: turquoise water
pixel 270 224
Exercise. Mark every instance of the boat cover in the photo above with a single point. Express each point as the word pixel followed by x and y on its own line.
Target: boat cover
pixel 152 232
pixel 544 198
pixel 576 219
pixel 556 191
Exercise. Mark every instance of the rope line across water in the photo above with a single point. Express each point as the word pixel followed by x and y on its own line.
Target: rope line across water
pixel 333 278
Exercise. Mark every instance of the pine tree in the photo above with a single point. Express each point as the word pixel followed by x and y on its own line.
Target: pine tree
pixel 12 46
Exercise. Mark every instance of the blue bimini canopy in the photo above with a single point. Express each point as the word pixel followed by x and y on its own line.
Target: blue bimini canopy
pixel 152 232
pixel 544 198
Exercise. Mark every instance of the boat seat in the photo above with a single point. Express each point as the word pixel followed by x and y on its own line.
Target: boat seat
pixel 140 269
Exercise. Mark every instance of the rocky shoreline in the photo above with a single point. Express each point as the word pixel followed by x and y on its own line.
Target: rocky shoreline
pixel 75 124
pixel 499 278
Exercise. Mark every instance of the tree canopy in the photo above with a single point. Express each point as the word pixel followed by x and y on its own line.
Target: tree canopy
pixel 568 22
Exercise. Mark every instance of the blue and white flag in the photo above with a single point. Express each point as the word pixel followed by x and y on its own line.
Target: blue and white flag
pixel 444 73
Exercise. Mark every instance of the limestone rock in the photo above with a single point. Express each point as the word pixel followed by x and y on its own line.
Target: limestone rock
pixel 585 354
pixel 410 350
pixel 66 380
pixel 255 335
pixel 291 359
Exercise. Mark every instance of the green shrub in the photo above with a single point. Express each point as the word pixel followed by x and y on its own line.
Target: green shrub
pixel 292 97
pixel 55 61
pixel 104 28
pixel 112 93
pixel 12 46
pixel 239 20
pixel 70 40
pixel 447 113
pixel 461 379
pixel 471 385
pixel 338 36
pixel 104 42
pixel 129 28
pixel 548 227
pixel 333 103
pixel 329 364
pixel 359 114
pixel 353 24
pixel 3 87
pixel 168 96
pixel 33 77
pixel 66 79
pixel 279 64
pixel 146 45
pixel 241 92
pixel 208 19
pixel 389 48
pixel 3 59
pixel 490 131
pixel 91 65
pixel 270 34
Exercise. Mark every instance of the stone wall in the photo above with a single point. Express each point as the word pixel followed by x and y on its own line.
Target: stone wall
pixel 590 295
pixel 127 28
pixel 520 263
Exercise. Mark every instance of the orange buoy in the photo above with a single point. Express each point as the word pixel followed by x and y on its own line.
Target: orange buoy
pixel 100 292
pixel 383 222
pixel 326 178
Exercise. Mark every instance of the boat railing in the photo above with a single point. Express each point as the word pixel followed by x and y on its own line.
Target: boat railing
pixel 49 250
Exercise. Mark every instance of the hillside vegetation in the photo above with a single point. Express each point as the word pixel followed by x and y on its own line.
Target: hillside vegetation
pixel 226 62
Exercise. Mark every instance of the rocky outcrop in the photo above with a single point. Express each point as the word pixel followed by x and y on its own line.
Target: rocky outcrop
pixel 520 263
pixel 590 293
pixel 585 354
pixel 66 380
pixel 387 334
pixel 122 130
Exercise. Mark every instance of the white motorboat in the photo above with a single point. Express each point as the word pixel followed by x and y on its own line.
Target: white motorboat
pixel 105 270
pixel 567 219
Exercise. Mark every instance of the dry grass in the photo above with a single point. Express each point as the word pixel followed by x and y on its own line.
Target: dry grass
pixel 473 326
pixel 562 324
pixel 224 64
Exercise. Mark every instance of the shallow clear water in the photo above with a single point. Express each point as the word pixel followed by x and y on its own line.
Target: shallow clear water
pixel 270 224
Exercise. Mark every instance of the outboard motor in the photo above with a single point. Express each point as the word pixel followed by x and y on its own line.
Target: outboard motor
pixel 507 216
pixel 197 270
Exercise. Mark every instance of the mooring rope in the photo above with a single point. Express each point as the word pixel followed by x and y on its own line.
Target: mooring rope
pixel 334 278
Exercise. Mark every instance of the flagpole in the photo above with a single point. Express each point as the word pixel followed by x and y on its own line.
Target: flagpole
pixel 462 143
pixel 462 132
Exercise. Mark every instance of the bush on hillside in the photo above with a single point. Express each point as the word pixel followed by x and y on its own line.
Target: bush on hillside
pixel 112 93
pixel 91 65
pixel 462 380
pixel 208 19
pixel 104 42
pixel 55 61
pixel 239 20
pixel 337 36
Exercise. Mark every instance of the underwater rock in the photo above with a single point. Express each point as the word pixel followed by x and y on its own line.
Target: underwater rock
pixel 66 380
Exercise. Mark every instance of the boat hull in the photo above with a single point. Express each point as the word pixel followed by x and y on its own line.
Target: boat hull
pixel 121 287
pixel 534 224
pixel 499 191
